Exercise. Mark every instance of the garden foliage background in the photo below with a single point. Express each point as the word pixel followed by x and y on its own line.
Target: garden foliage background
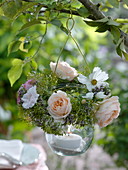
pixel 99 51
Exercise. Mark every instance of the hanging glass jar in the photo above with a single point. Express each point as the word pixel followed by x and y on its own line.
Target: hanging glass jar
pixel 74 142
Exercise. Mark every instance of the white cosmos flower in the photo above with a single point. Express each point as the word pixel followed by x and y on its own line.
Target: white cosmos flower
pixel 89 95
pixel 101 95
pixel 30 98
pixel 96 79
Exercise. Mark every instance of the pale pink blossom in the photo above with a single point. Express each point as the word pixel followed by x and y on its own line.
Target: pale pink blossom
pixel 59 105
pixel 109 109
pixel 64 70
pixel 29 84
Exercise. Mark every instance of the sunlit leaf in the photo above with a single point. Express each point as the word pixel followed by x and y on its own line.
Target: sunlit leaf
pixel 29 24
pixel 16 71
pixel 21 47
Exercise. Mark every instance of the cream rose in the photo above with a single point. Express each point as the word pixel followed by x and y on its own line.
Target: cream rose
pixel 64 70
pixel 108 110
pixel 59 105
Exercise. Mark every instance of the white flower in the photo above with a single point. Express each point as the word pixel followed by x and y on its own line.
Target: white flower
pixel 101 95
pixel 96 79
pixel 30 98
pixel 59 105
pixel 89 95
pixel 64 70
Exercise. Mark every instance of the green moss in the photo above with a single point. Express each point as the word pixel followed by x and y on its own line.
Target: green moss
pixel 47 83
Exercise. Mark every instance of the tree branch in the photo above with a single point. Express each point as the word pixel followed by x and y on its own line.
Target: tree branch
pixel 96 14
pixel 63 11
pixel 94 10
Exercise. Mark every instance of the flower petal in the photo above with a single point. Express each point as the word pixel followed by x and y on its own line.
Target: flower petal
pixel 82 79
pixel 89 95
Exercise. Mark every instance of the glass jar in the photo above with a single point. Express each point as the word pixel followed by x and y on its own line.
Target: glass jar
pixel 74 142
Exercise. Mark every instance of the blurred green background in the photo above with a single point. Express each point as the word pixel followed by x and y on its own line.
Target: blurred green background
pixel 99 51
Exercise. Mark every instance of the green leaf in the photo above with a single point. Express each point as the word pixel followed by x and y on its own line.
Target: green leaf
pixel 64 29
pixel 16 71
pixel 125 55
pixel 34 64
pixel 29 24
pixel 122 46
pixel 18 3
pixel 27 45
pixel 111 22
pixel 114 3
pixel 119 51
pixel 96 22
pixel 22 46
pixel 13 47
pixel 9 9
pixel 83 12
pixel 56 22
pixel 115 32
pixel 102 28
pixel 59 24
pixel 1 12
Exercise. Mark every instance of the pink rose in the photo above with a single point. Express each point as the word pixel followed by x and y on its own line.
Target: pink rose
pixel 59 105
pixel 29 84
pixel 109 110
pixel 64 70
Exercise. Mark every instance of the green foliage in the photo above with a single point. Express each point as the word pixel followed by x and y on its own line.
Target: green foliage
pixel 58 13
